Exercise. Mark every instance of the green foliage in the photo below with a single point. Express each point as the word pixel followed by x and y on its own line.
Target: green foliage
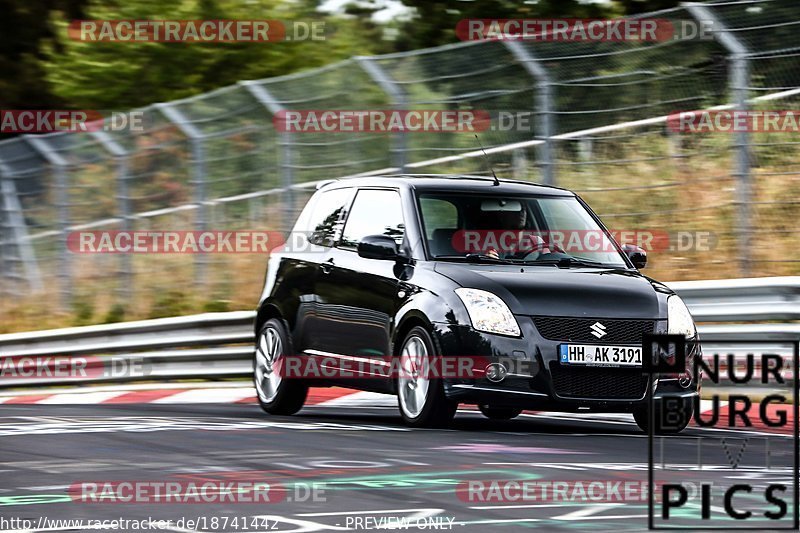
pixel 217 306
pixel 83 311
pixel 171 302
pixel 115 314
pixel 24 27
pixel 114 75
pixel 434 22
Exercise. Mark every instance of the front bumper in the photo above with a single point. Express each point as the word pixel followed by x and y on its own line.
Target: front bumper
pixel 532 363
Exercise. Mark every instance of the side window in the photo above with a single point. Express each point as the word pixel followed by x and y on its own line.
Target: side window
pixel 326 219
pixel 374 212
pixel 438 214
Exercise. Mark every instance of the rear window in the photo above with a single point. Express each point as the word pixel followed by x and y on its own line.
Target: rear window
pixel 327 214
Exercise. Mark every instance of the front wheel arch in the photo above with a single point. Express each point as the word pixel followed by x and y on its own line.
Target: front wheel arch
pixel 266 312
pixel 408 323
pixel 437 410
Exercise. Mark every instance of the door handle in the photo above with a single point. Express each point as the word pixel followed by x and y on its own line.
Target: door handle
pixel 327 266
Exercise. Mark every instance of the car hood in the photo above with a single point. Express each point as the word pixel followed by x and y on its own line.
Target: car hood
pixel 578 292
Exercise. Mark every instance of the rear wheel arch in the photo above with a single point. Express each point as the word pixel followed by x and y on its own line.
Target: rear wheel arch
pixel 275 393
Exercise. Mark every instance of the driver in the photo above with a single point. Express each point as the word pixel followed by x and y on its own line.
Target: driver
pixel 515 221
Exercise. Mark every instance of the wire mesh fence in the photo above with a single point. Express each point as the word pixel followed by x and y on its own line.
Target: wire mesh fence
pixel 590 116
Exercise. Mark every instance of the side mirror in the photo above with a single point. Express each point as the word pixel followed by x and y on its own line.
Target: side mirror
pixel 637 256
pixel 378 247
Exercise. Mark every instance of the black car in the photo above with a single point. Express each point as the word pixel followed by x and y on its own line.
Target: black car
pixel 519 276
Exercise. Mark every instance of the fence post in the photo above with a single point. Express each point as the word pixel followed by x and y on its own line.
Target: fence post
pixel 197 141
pixel 739 83
pixel 399 101
pixel 16 246
pixel 123 203
pixel 59 166
pixel 6 258
pixel 544 102
pixel 273 106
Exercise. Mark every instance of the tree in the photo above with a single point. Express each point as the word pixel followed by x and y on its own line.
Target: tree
pixel 24 27
pixel 434 22
pixel 49 69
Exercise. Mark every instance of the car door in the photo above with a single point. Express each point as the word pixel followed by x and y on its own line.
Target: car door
pixel 359 297
pixel 323 229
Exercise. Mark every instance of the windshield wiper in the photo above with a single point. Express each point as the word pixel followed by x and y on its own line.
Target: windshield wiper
pixel 566 262
pixel 583 261
pixel 477 258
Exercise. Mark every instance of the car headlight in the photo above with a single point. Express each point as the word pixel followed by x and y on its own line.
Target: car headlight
pixel 488 312
pixel 679 319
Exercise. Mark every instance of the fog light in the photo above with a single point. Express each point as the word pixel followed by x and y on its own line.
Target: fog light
pixel 496 372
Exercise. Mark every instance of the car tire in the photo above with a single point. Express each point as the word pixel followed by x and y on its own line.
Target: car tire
pixel 679 423
pixel 422 402
pixel 276 395
pixel 499 413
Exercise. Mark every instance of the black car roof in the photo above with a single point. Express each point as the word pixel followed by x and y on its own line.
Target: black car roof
pixel 450 183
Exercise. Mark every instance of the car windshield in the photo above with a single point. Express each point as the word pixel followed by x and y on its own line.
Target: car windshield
pixel 543 230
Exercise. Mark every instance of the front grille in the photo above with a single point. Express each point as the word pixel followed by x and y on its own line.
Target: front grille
pixel 580 329
pixel 600 383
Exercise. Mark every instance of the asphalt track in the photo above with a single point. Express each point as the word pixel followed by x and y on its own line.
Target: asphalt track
pixel 364 462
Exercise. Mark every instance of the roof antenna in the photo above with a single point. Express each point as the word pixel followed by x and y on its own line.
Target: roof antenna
pixel 488 163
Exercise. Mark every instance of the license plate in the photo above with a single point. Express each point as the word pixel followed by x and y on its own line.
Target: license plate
pixel 597 355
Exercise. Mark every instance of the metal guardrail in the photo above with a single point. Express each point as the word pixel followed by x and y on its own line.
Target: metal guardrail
pixel 219 345
pixel 205 346
pixel 208 329
pixel 747 299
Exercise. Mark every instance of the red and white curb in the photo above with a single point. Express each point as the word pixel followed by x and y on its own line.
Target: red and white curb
pixel 241 393
pixel 158 394
pixel 221 394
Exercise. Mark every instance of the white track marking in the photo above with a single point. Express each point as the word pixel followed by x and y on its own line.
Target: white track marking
pixel 588 511
pixel 82 398
pixel 136 387
pixel 208 396
pixel 152 424
pixel 498 521
pixel 529 506
pixel 362 399
pixel 424 512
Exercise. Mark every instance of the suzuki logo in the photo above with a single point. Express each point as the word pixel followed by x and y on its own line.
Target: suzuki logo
pixel 598 330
